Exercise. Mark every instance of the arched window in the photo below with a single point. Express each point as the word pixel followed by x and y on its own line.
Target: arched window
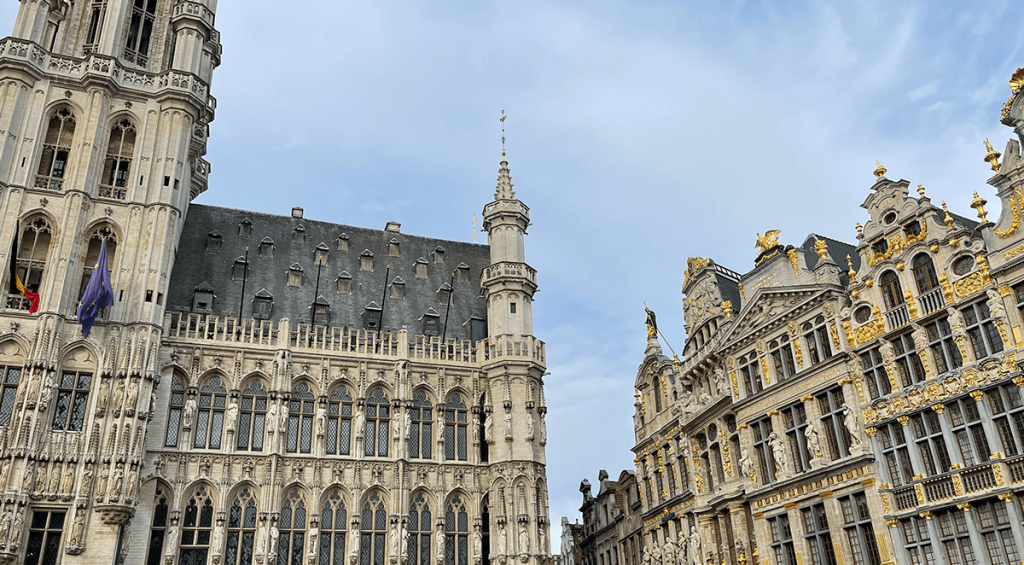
pixel 378 419
pixel 33 250
pixel 196 527
pixel 292 530
pixel 419 531
pixel 56 150
pixel 97 10
pixel 373 526
pixel 92 255
pixel 420 429
pixel 120 149
pixel 655 385
pixel 241 534
pixel 252 417
pixel 72 398
pixel 333 523
pixel 456 533
pixel 11 376
pixel 456 419
pixel 891 291
pixel 339 422
pixel 159 529
pixel 140 32
pixel 300 420
pixel 174 414
pixel 924 274
pixel 210 417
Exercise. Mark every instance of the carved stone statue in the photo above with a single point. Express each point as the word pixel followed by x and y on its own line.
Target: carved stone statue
pixel 133 395
pixel 69 480
pixel 652 324
pixel 395 542
pixel 54 481
pixel 813 444
pixel 5 524
pixel 172 536
pixel 44 400
pixel 656 555
pixel 746 465
pixel 524 539
pixel 353 542
pixel 502 540
pixel 681 548
pixel 132 476
pixel 646 557
pixel 321 421
pixel 360 425
pixel 4 469
pixel 40 485
pixel 489 428
pixel 78 529
pixel 274 534
pixel 232 416
pixel 955 318
pixel 271 420
pixel 218 539
pixel 543 429
pixel 87 480
pixel 439 547
pixel 190 413
pixel 282 422
pixel 404 555
pixel 19 525
pixel 668 553
pixel 101 484
pixel 478 541
pixel 118 395
pixel 705 399
pixel 850 420
pixel 887 350
pixel 118 481
pixel 101 397
pixel 508 425
pixel 529 427
pixel 995 306
pixel 779 452
pixel 694 545
pixel 722 383
pixel 688 403
pixel 407 424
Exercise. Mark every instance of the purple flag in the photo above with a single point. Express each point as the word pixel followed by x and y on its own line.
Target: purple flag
pixel 98 294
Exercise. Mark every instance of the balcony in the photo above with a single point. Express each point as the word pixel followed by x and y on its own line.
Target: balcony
pixel 897 317
pixel 114 192
pixel 931 301
pixel 49 183
pixel 958 484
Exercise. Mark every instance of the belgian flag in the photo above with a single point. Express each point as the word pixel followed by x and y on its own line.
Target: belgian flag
pixel 16 285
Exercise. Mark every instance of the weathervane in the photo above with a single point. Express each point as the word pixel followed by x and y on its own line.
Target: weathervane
pixel 504 116
pixel 474 227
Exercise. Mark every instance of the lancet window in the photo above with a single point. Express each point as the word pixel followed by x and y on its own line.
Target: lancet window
pixel 252 417
pixel 378 420
pixel 300 420
pixel 292 528
pixel 89 264
pixel 241 529
pixel 117 166
pixel 140 32
pixel 210 416
pixel 196 527
pixel 456 419
pixel 97 11
pixel 72 398
pixel 373 535
pixel 924 274
pixel 9 379
pixel 339 422
pixel 421 427
pixel 419 531
pixel 33 249
pixel 159 528
pixel 456 533
pixel 53 164
pixel 333 524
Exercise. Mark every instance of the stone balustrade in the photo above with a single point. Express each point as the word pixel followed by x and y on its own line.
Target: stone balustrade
pixel 942 490
pixel 508 269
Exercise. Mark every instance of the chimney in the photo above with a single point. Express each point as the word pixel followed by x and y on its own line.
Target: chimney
pixel 393 227
pixel 297 212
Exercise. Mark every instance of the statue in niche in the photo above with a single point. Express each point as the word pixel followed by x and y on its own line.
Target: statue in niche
pixel 693 545
pixel 118 481
pixel 4 469
pixel 282 422
pixel 78 529
pixel 360 425
pixel 542 541
pixel 478 544
pixel 118 397
pixel 5 524
pixel 26 483
pixel 395 541
pixel 353 542
pixel 101 397
pixel 721 383
pixel 172 535
pixel 133 396
pixel 190 412
pixel 261 539
pixel 271 420
pixel 54 487
pixel 813 444
pixel 524 539
pixel 529 426
pixel 33 387
pixel 321 421
pixel 543 429
pixel 218 538
pixel 69 480
pixel 87 479
pixel 440 547
pixel 705 398
pixel 995 306
pixel 689 403
pixel 274 535
pixel 488 428
pixel 508 424
pixel 920 337
pixel 746 465
pixel 152 404
pixel 779 452
pixel 502 540
pixel 40 485
pixel 44 400
pixel 850 421
pixel 668 553
pixel 19 525
pixel 232 417
pixel 681 548
pixel 404 555
pixel 887 350
pixel 132 476
pixel 101 484
pixel 646 557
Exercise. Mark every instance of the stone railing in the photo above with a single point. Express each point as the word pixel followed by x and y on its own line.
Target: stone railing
pixel 508 206
pixel 507 347
pixel 897 317
pixel 115 192
pixel 343 340
pixel 48 183
pixel 509 269
pixel 957 484
pixel 931 301
pixel 1016 469
pixel 188 8
pixel 202 328
pixel 451 351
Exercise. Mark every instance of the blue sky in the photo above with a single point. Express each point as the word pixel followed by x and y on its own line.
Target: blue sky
pixel 641 133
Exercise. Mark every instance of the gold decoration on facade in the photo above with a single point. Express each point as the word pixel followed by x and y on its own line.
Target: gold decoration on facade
pixel 979 205
pixel 727 308
pixel 872 329
pixel 992 156
pixel 977 395
pixel 879 169
pixel 900 266
pixel 725 451
pixel 1005 290
pixel 983 265
pixel 821 248
pixel 897 245
pixel 798 353
pixel 958 484
pixel 920 190
pixel 855 294
pixel 927 515
pixel 892 522
pixel 947 219
pixel 871 431
pixel 997 470
pixel 770 240
pixel 903 420
pixel 693 265
pixel 735 385
pixel 869 283
pixel 975 282
pixel 1014 252
pixel 859 228
pixel 947 289
pixel 965 506
pixel 919 490
pixel 774 412
pixel 792 261
pixel 934 248
pixel 851 272
pixel 848 331
pixel 938 408
pixel 743 295
pixel 764 371
pixel 954 242
pixel 911 305
pixel 1005 497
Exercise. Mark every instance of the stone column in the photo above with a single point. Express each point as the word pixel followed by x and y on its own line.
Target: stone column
pixel 955 457
pixel 987 422
pixel 1016 519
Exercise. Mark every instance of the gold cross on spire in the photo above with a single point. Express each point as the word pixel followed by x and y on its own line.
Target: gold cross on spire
pixel 504 117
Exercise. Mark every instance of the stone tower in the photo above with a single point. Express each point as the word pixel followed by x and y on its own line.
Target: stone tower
pixel 104 113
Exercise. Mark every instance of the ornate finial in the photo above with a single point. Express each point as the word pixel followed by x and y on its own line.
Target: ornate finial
pixel 727 308
pixel 821 248
pixel 474 227
pixel 948 219
pixel 675 361
pixel 992 157
pixel 920 190
pixel 879 169
pixel 979 204
pixel 504 117
pixel 851 272
pixel 769 241
pixel 1017 80
pixel 860 228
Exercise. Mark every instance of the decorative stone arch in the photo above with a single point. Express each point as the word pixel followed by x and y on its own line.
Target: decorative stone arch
pixel 264 378
pixel 80 355
pixel 310 383
pixel 203 378
pixel 342 382
pixel 123 113
pixel 116 227
pixel 388 388
pixel 13 349
pixel 194 486
pixel 237 487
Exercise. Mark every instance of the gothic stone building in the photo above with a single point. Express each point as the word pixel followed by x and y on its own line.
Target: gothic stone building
pixel 264 389
pixel 859 403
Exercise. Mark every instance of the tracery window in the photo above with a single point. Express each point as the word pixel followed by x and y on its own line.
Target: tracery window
pixel 9 379
pixel 300 420
pixel 817 535
pixel 421 427
pixel 241 529
pixel 196 527
pixel 140 32
pixel 419 531
pixel 174 414
pixel 210 416
pixel 931 444
pixel 159 528
pixel 456 533
pixel 117 166
pixel 92 255
pixel 339 422
pixel 781 353
pixel 751 372
pixel 965 421
pixel 378 420
pixel 292 541
pixel 72 398
pixel 896 454
pixel 859 532
pixel 891 291
pixel 373 531
pixel 766 460
pixel 33 249
pixel 984 335
pixel 97 10
pixel 252 417
pixel 1008 409
pixel 53 164
pixel 456 420
pixel 830 405
pixel 333 524
pixel 818 346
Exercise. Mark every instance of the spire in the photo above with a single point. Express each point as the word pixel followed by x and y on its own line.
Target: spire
pixel 504 189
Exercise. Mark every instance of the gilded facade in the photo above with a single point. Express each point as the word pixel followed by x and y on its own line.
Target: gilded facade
pixel 848 403
pixel 264 389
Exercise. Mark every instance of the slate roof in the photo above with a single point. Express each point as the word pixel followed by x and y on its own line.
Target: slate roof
pixel 202 260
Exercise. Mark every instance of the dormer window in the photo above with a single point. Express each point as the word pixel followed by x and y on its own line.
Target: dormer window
pixel 343 242
pixel 913 228
pixel 321 310
pixel 299 235
pixel 393 248
pixel 344 283
pixel 238 272
pixel 267 248
pixel 371 317
pixel 431 322
pixel 889 218
pixel 245 228
pixel 439 255
pixel 320 255
pixel 366 260
pixel 295 275
pixel 398 289
pixel 880 246
pixel 213 241
pixel 262 305
pixel 477 327
pixel 462 273
pixel 444 294
pixel 420 269
pixel 202 299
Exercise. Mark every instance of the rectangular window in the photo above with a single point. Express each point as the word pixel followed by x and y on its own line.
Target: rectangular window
pixel 931 444
pixel 917 540
pixel 994 522
pixel 895 453
pixel 954 536
pixel 817 535
pixel 795 417
pixel 875 377
pixel 908 362
pixel 818 346
pixel 965 421
pixel 9 379
pixel 44 534
pixel 751 372
pixel 831 404
pixel 782 540
pixel 984 335
pixel 944 350
pixel 671 479
pixel 858 529
pixel 1008 410
pixel 72 397
pixel 782 359
pixel 766 461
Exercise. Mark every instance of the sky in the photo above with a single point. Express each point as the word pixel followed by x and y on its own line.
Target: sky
pixel 640 133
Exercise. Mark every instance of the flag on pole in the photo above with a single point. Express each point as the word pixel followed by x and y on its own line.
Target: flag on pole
pixel 98 294
pixel 16 285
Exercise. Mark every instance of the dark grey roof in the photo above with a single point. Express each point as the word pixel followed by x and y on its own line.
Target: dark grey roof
pixel 197 263
pixel 837 250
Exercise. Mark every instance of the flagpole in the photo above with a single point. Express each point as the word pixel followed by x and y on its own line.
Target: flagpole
pixel 241 301
pixel 316 292
pixel 383 298
pixel 451 289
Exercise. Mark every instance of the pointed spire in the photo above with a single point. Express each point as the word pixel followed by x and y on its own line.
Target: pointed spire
pixel 504 191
